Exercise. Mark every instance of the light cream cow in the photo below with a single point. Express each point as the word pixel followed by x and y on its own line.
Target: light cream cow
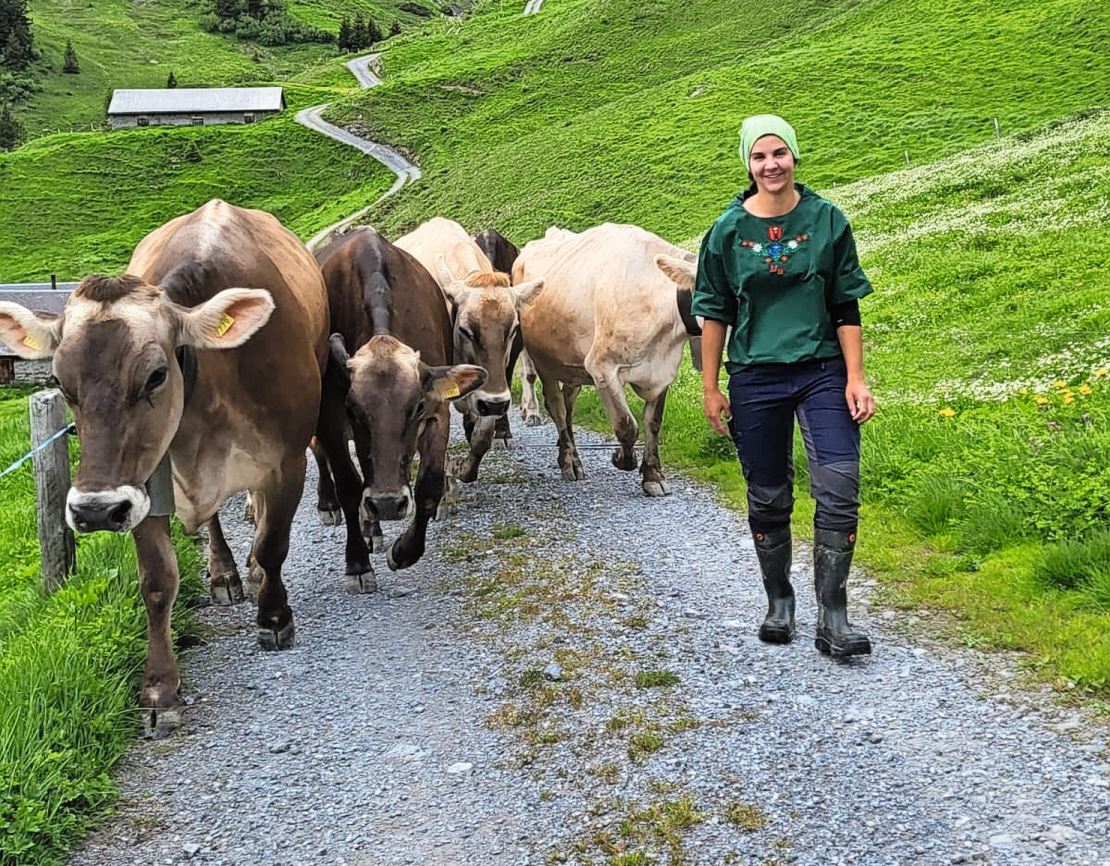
pixel 615 311
pixel 484 316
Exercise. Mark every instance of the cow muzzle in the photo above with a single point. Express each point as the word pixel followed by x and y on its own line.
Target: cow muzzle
pixel 391 506
pixel 118 510
pixel 492 404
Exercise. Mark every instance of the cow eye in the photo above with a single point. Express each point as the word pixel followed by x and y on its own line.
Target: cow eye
pixel 157 379
pixel 467 334
pixel 418 410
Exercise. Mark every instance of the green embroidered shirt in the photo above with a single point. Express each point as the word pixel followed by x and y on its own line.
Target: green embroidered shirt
pixel 775 280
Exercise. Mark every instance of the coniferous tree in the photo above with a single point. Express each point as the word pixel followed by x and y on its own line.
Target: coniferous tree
pixel 358 32
pixel 16 41
pixel 171 81
pixel 373 34
pixel 345 34
pixel 11 131
pixel 70 66
pixel 395 28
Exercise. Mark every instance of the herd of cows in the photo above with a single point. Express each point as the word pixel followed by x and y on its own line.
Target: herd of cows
pixel 229 347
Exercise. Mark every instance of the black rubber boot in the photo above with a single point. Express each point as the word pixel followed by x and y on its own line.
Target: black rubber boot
pixel 832 558
pixel 773 550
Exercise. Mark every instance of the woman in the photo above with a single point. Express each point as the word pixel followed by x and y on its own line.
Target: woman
pixel 779 268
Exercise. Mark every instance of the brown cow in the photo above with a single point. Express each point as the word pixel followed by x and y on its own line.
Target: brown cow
pixel 484 314
pixel 171 359
pixel 616 311
pixel 392 394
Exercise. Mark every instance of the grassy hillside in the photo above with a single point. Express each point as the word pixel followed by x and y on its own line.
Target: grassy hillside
pixel 628 110
pixel 69 668
pixel 986 472
pixel 121 43
pixel 107 190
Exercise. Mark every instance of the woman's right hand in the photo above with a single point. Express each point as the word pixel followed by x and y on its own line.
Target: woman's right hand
pixel 717 410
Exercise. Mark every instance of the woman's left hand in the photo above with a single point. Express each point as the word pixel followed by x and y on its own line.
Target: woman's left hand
pixel 861 403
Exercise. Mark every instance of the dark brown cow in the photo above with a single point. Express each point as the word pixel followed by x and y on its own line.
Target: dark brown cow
pixel 392 394
pixel 241 422
pixel 501 253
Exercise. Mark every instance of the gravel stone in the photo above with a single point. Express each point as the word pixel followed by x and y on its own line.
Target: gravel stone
pixel 919 754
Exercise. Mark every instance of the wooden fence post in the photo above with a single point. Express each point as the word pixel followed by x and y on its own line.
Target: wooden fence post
pixel 59 552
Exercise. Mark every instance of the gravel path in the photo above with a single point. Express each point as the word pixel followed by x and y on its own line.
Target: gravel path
pixel 506 701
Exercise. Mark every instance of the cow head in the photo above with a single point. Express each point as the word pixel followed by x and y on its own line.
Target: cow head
pixel 391 396
pixel 485 323
pixel 113 349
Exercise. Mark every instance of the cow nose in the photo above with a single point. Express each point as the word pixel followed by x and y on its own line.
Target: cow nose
pixel 492 407
pixel 97 516
pixel 391 507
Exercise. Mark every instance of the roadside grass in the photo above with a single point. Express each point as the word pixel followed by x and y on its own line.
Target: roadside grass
pixel 126 44
pixel 70 667
pixel 108 190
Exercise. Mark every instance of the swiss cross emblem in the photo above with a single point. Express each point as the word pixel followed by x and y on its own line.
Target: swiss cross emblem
pixel 775 252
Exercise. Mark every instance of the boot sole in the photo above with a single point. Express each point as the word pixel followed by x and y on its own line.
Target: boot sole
pixel 857 648
pixel 771 634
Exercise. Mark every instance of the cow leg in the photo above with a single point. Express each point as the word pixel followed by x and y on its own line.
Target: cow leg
pixel 480 442
pixel 327 503
pixel 276 503
pixel 158 581
pixel 503 432
pixel 610 389
pixel 529 405
pixel 651 469
pixel 224 584
pixel 468 426
pixel 430 483
pixel 333 441
pixel 570 465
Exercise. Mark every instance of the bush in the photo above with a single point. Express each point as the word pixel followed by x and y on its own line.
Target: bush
pixel 1078 565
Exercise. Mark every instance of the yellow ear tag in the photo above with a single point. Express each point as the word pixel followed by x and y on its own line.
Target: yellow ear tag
pixel 31 343
pixel 225 325
pixel 447 389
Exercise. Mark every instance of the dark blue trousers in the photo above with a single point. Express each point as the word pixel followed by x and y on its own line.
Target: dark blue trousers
pixel 765 399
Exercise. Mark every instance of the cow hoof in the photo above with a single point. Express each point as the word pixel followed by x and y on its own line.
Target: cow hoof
pixel 226 591
pixel 377 542
pixel 624 460
pixel 656 488
pixel 160 722
pixel 330 516
pixel 533 420
pixel 397 562
pixel 360 584
pixel 272 640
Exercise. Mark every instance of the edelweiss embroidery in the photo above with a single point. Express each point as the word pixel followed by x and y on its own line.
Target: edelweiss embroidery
pixel 776 252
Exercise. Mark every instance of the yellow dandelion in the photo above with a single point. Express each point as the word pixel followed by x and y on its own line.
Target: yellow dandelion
pixel 1101 371
pixel 1040 401
pixel 1068 398
pixel 1060 383
pixel 947 412
pixel 1023 392
pixel 1085 389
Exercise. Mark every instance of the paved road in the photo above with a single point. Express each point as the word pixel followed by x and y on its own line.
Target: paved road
pixel 406 172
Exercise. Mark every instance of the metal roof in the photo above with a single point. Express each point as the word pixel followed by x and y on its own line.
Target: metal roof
pixel 196 100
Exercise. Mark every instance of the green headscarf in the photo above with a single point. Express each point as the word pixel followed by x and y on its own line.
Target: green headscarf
pixel 759 125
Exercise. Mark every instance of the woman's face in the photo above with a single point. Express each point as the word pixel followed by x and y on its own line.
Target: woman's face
pixel 772 164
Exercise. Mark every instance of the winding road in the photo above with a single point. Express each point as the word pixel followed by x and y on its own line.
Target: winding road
pixel 361 68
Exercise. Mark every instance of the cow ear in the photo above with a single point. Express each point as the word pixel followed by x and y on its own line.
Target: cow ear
pixel 338 358
pixel 525 293
pixel 227 320
pixel 680 272
pixel 451 383
pixel 28 334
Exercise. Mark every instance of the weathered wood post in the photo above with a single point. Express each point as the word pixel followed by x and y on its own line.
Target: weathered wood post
pixel 59 552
